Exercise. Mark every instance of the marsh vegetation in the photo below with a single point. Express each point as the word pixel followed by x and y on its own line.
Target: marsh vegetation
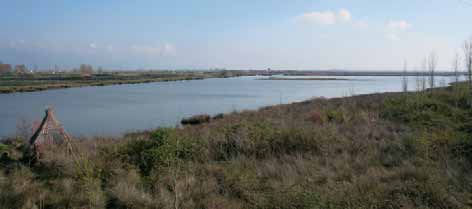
pixel 40 81
pixel 392 150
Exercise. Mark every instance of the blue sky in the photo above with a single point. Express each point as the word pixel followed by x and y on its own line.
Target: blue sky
pixel 243 34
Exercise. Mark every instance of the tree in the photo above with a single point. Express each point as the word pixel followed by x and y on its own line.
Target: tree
pixel 418 79
pixel 432 63
pixel 456 62
pixel 468 59
pixel 424 69
pixel 404 77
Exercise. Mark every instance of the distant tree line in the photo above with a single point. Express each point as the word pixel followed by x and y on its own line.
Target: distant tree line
pixel 21 69
pixel 427 78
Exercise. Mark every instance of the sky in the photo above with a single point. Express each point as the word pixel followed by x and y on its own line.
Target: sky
pixel 242 34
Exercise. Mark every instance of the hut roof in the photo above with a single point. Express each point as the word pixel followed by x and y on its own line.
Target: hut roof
pixel 50 131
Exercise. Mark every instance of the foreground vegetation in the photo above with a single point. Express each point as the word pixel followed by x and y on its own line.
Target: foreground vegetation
pixel 11 83
pixel 395 150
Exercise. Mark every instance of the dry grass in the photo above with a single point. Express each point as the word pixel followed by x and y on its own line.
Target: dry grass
pixel 371 151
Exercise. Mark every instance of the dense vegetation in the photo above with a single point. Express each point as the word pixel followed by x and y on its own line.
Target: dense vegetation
pixel 397 150
pixel 39 81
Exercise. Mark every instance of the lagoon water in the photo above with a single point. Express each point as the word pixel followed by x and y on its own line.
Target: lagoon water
pixel 113 110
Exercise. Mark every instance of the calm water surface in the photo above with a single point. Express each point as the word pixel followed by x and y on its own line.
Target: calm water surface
pixel 113 110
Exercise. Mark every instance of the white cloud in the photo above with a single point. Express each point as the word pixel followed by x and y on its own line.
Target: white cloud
pixel 322 18
pixel 392 37
pixel 17 44
pixel 399 25
pixel 345 15
pixel 396 28
pixel 93 45
pixel 110 48
pixel 361 24
pixel 169 49
pixel 325 17
pixel 151 50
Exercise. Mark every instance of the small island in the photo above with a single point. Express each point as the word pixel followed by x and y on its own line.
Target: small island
pixel 20 79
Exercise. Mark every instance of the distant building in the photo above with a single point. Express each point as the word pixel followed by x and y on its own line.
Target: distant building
pixel 86 70
pixel 21 69
pixel 5 68
pixel 267 72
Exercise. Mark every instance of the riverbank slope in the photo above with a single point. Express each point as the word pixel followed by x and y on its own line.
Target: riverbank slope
pixel 392 150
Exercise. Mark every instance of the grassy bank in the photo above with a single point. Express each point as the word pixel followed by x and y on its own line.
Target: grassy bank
pixel 391 150
pixel 44 81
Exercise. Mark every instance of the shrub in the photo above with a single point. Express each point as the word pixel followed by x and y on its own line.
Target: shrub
pixel 137 152
pixel 20 190
pixel 336 116
pixel 164 147
pixel 316 117
pixel 127 192
pixel 3 148
pixel 218 116
pixel 196 120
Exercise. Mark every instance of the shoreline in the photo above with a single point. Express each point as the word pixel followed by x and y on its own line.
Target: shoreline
pixel 25 89
pixel 303 79
pixel 65 81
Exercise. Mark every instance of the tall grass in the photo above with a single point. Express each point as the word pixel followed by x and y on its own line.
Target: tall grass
pixel 393 150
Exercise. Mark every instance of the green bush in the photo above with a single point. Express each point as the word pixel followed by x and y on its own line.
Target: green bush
pixel 160 150
pixel 137 152
pixel 3 147
pixel 336 116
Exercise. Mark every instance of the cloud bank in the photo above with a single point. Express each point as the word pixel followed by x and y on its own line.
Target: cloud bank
pixel 330 18
pixel 401 25
pixel 322 18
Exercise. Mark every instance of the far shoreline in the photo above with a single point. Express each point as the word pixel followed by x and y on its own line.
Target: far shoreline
pixel 303 79
pixel 48 81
